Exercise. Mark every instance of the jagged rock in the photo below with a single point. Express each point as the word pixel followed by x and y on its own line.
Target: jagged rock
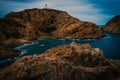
pixel 47 23
pixel 67 62
pixel 113 26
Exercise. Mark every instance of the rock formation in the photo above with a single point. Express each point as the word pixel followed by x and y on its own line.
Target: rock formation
pixel 67 62
pixel 47 23
pixel 14 28
pixel 7 48
pixel 113 26
pixel 44 23
pixel 7 52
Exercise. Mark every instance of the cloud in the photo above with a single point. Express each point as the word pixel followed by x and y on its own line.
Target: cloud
pixel 81 9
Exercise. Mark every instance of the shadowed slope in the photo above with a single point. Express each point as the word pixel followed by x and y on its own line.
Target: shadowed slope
pixel 113 26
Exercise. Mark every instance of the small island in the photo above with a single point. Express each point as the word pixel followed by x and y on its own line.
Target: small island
pixel 18 28
pixel 66 62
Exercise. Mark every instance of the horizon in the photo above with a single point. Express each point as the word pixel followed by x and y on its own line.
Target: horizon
pixel 99 12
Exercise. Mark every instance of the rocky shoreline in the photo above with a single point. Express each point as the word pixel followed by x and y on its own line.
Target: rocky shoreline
pixel 67 62
pixel 17 28
pixel 7 48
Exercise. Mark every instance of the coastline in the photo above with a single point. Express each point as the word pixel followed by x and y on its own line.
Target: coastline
pixel 25 43
pixel 77 58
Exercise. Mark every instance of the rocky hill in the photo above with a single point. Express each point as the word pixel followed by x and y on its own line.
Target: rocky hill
pixel 47 23
pixel 67 62
pixel 18 27
pixel 113 26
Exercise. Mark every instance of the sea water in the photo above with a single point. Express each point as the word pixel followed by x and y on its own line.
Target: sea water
pixel 110 45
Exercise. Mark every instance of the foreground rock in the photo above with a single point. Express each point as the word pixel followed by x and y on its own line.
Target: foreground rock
pixel 67 62
pixel 113 26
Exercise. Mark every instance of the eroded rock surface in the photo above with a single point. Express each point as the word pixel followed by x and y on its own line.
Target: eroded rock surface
pixel 113 26
pixel 31 24
pixel 47 23
pixel 67 62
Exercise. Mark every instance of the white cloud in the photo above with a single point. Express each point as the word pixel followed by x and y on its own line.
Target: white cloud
pixel 80 9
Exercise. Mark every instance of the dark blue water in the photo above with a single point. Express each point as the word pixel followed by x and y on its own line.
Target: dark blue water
pixel 110 45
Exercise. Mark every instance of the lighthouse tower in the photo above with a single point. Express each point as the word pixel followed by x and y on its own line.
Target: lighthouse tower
pixel 46 6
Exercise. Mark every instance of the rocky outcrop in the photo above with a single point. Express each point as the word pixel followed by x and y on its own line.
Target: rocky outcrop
pixel 15 28
pixel 113 26
pixel 8 52
pixel 13 33
pixel 7 47
pixel 47 23
pixel 67 62
pixel 31 24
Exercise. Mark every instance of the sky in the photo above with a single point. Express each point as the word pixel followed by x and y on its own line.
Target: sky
pixel 96 11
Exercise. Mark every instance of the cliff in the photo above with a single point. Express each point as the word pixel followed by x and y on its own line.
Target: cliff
pixel 67 62
pixel 113 26
pixel 47 23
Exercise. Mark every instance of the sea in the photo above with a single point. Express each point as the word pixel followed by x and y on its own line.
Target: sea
pixel 110 45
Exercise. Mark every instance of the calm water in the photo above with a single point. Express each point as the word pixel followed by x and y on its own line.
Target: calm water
pixel 110 45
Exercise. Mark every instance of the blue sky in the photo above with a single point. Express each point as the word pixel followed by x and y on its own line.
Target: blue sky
pixel 97 11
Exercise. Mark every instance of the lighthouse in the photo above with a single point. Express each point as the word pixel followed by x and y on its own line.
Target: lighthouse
pixel 45 5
